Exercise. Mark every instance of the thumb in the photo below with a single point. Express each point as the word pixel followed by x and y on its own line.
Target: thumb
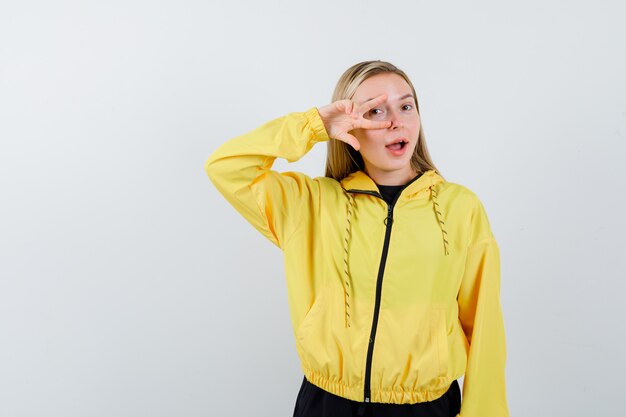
pixel 350 140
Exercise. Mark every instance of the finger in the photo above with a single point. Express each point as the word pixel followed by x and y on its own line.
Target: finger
pixel 372 124
pixel 369 104
pixel 348 107
pixel 350 140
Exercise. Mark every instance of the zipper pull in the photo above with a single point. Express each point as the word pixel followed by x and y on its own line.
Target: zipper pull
pixel 389 217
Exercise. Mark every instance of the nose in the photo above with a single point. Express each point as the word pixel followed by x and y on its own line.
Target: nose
pixel 395 121
pixel 395 117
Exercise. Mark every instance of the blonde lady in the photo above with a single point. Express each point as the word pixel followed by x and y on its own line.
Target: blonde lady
pixel 393 273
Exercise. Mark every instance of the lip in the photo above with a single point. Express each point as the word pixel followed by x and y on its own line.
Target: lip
pixel 400 139
pixel 400 151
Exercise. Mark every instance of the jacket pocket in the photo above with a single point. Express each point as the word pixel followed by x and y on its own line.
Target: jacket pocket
pixel 313 316
pixel 439 334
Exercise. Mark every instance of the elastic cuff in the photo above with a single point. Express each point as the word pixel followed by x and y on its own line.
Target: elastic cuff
pixel 319 131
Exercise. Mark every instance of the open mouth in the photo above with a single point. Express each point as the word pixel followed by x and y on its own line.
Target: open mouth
pixel 397 145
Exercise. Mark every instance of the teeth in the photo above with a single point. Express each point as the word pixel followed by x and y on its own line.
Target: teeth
pixel 401 143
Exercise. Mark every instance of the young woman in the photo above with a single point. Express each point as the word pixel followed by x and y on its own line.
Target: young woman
pixel 393 273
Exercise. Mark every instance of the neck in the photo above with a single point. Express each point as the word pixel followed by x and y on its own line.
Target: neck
pixel 396 177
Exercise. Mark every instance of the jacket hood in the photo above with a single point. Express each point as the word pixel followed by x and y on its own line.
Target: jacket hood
pixel 425 186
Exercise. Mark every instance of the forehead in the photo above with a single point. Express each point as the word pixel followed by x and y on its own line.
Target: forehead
pixel 393 85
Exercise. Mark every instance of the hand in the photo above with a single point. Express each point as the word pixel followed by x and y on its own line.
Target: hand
pixel 341 116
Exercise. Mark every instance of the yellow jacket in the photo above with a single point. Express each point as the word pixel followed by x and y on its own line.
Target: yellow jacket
pixel 388 304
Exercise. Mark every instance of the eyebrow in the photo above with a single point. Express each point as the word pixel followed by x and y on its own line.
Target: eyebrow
pixel 400 99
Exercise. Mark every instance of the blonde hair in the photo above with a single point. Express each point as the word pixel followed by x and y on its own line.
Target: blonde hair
pixel 341 158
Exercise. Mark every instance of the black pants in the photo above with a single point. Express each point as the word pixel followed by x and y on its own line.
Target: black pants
pixel 313 401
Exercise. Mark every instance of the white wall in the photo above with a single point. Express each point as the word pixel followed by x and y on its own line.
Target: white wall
pixel 129 287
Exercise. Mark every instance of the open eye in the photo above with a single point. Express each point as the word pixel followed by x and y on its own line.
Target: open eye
pixel 373 111
pixel 410 107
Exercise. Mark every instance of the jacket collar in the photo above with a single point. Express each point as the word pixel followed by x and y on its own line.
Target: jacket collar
pixel 360 182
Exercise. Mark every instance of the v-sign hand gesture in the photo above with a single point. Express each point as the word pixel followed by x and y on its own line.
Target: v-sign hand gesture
pixel 341 116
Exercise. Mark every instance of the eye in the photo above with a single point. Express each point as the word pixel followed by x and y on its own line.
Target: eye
pixel 410 107
pixel 373 111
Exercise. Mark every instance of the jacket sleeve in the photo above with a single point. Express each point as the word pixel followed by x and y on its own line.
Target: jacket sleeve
pixel 241 171
pixel 480 313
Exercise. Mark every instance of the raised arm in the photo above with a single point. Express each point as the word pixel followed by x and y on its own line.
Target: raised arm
pixel 274 202
pixel 241 171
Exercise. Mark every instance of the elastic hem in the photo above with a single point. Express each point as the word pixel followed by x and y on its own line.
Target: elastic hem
pixel 355 392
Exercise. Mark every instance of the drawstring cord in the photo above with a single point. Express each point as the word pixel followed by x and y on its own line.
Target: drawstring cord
pixel 437 209
pixel 348 235
pixel 346 241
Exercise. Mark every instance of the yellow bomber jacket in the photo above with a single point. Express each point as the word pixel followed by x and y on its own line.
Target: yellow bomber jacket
pixel 388 304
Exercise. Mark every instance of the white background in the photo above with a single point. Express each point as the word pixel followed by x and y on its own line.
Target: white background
pixel 128 285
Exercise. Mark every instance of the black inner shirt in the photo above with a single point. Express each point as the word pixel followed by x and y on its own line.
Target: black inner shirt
pixel 389 192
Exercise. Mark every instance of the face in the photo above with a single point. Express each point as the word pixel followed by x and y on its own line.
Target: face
pixel 383 163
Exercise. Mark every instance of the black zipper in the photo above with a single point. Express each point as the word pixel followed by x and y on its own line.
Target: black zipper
pixel 379 288
pixel 367 396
